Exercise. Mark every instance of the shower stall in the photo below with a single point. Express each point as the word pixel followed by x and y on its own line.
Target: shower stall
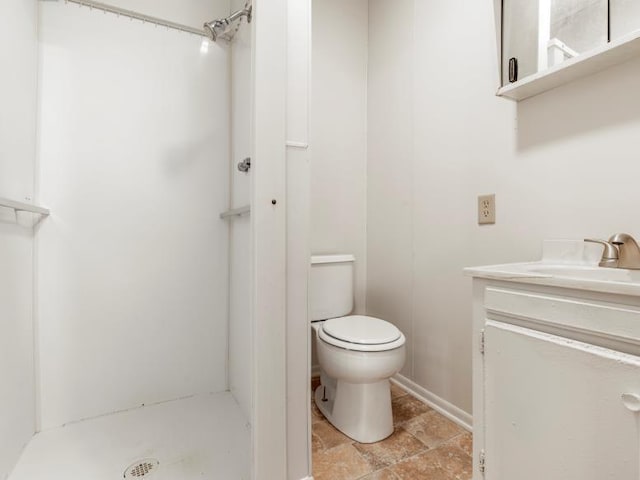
pixel 133 307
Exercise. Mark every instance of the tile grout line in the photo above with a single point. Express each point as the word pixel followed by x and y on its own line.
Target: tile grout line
pixel 452 442
pixel 426 449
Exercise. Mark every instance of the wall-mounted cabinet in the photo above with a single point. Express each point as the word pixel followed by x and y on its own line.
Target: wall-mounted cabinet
pixel 547 43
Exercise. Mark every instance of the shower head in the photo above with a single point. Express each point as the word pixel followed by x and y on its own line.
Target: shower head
pixel 216 28
pixel 223 28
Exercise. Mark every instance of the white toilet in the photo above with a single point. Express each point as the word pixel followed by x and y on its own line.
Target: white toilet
pixel 357 354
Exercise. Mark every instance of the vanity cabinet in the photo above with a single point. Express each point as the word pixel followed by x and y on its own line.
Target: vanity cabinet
pixel 550 368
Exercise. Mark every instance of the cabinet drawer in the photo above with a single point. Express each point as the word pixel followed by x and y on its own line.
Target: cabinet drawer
pixel 601 319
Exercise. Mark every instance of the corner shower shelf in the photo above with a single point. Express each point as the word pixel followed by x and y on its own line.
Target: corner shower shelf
pixel 236 212
pixel 23 207
pixel 598 59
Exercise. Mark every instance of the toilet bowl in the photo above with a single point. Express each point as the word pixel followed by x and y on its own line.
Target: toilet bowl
pixel 357 355
pixel 354 394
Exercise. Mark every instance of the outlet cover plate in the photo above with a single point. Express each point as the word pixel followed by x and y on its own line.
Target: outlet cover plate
pixel 486 209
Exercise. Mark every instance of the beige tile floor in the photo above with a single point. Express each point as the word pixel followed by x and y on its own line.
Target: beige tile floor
pixel 424 446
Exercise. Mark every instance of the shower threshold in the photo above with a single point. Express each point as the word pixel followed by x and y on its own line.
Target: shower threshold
pixel 202 437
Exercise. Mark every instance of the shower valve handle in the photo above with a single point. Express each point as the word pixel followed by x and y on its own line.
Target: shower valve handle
pixel 245 165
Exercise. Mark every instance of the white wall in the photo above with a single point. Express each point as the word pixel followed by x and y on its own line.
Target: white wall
pixel 240 333
pixel 563 165
pixel 133 266
pixel 339 133
pixel 390 168
pixel 18 55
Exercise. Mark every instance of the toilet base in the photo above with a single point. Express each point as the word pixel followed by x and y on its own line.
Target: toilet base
pixel 360 411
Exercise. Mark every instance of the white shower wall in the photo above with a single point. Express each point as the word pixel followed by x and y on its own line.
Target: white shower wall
pixel 133 271
pixel 240 339
pixel 18 55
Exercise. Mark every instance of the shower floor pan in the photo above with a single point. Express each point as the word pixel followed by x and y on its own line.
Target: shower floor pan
pixel 204 437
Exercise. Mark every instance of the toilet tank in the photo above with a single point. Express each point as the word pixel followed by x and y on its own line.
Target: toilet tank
pixel 331 286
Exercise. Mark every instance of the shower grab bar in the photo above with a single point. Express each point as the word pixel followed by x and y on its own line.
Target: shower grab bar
pixel 138 16
pixel 23 207
pixel 236 212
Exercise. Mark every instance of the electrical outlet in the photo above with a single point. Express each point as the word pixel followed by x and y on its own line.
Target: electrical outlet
pixel 486 209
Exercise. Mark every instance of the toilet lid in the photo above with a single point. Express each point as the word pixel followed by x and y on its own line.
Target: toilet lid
pixel 361 330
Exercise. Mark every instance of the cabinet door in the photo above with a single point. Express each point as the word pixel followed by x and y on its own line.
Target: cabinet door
pixel 554 410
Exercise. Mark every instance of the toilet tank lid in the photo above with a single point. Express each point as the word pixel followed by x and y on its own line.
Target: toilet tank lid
pixel 319 259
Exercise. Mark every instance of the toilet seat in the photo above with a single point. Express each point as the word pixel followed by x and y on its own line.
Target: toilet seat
pixel 361 333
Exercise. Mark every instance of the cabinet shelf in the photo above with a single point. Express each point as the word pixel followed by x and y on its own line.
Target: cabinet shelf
pixel 601 58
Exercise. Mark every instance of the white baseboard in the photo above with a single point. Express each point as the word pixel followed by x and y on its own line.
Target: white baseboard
pixel 307 478
pixel 453 413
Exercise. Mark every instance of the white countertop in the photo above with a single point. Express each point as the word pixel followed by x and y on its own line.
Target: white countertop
pixel 581 277
pixel 565 264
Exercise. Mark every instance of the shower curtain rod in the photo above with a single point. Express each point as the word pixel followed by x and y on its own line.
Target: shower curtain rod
pixel 138 16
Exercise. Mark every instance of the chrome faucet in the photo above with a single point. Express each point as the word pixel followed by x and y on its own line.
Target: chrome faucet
pixel 621 251
pixel 610 254
pixel 628 251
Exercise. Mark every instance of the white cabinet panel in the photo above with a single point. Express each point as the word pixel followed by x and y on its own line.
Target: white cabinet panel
pixel 553 408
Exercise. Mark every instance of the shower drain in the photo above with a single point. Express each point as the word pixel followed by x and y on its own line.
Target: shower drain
pixel 142 468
